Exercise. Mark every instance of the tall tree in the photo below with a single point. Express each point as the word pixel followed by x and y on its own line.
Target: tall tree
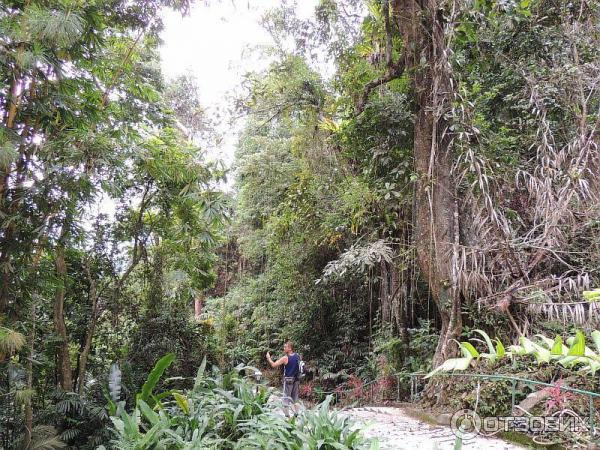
pixel 436 217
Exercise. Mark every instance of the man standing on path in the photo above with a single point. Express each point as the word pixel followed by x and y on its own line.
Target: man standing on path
pixel 291 370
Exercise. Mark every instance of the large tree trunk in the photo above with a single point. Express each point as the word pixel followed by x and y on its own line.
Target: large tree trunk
pixel 156 294
pixel 436 216
pixel 28 402
pixel 64 362
pixel 89 335
pixel 385 295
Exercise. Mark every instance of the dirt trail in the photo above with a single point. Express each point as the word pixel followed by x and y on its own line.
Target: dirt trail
pixel 395 429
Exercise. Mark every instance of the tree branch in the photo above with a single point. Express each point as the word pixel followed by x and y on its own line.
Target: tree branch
pixel 393 72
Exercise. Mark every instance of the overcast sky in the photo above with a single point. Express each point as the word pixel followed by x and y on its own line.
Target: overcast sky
pixel 213 43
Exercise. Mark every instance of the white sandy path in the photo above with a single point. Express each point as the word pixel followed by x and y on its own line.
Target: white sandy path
pixel 395 429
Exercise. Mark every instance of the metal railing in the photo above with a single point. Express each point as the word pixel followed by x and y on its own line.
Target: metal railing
pixel 514 380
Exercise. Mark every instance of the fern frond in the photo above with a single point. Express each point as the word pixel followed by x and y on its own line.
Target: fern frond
pixel 8 155
pixel 23 396
pixel 45 437
pixel 56 27
pixel 10 341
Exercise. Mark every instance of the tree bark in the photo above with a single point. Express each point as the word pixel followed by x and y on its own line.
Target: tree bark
pixel 436 210
pixel 385 295
pixel 89 335
pixel 156 294
pixel 198 304
pixel 64 362
pixel 399 305
pixel 28 403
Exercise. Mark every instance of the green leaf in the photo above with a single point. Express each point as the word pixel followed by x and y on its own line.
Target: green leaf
pixel 500 351
pixel 183 403
pixel 596 339
pixel 557 347
pixel 200 374
pixel 592 296
pixel 451 365
pixel 488 341
pixel 147 412
pixel 469 350
pixel 578 347
pixel 547 341
pixel 154 376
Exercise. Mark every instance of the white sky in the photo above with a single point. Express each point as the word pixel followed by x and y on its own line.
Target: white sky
pixel 213 43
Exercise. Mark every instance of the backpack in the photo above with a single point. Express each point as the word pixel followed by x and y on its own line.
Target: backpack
pixel 301 369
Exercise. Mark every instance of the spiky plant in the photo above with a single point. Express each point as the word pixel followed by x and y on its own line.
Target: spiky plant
pixel 11 342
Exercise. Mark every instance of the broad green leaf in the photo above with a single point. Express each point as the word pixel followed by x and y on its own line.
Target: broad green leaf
pixel 200 374
pixel 578 347
pixel 147 412
pixel 500 351
pixel 596 339
pixel 469 350
pixel 450 365
pixel 557 346
pixel 488 341
pixel 154 376
pixel 182 401
pixel 592 296
pixel 546 340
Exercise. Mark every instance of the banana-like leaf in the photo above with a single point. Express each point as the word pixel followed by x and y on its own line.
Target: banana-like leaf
pixel 596 339
pixel 451 365
pixel 183 402
pixel 200 374
pixel 592 367
pixel 147 412
pixel 157 372
pixel 488 341
pixel 578 347
pixel 557 346
pixel 468 350
pixel 500 351
pixel 546 340
pixel 541 354
pixel 518 350
pixel 568 361
pixel 592 296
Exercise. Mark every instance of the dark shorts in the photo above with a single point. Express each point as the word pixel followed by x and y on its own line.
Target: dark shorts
pixel 290 390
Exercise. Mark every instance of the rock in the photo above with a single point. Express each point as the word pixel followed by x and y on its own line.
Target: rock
pixel 443 419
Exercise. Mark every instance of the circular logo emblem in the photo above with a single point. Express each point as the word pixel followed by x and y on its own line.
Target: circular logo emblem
pixel 465 424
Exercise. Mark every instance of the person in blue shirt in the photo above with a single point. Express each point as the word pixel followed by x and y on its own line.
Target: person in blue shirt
pixel 291 369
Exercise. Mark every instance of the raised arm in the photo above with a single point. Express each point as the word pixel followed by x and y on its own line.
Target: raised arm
pixel 280 362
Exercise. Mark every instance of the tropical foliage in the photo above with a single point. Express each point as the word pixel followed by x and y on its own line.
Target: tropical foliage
pixel 225 410
pixel 572 353
pixel 408 175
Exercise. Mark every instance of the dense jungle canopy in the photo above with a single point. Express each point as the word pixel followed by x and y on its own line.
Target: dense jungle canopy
pixel 408 172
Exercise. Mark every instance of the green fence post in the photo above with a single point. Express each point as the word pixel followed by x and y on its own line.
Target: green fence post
pixel 513 393
pixel 459 438
pixel 592 414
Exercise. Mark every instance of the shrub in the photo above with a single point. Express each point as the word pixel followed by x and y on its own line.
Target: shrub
pixel 227 411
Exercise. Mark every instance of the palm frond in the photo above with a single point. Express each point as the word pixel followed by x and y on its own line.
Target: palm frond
pixel 45 437
pixel 56 27
pixel 358 259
